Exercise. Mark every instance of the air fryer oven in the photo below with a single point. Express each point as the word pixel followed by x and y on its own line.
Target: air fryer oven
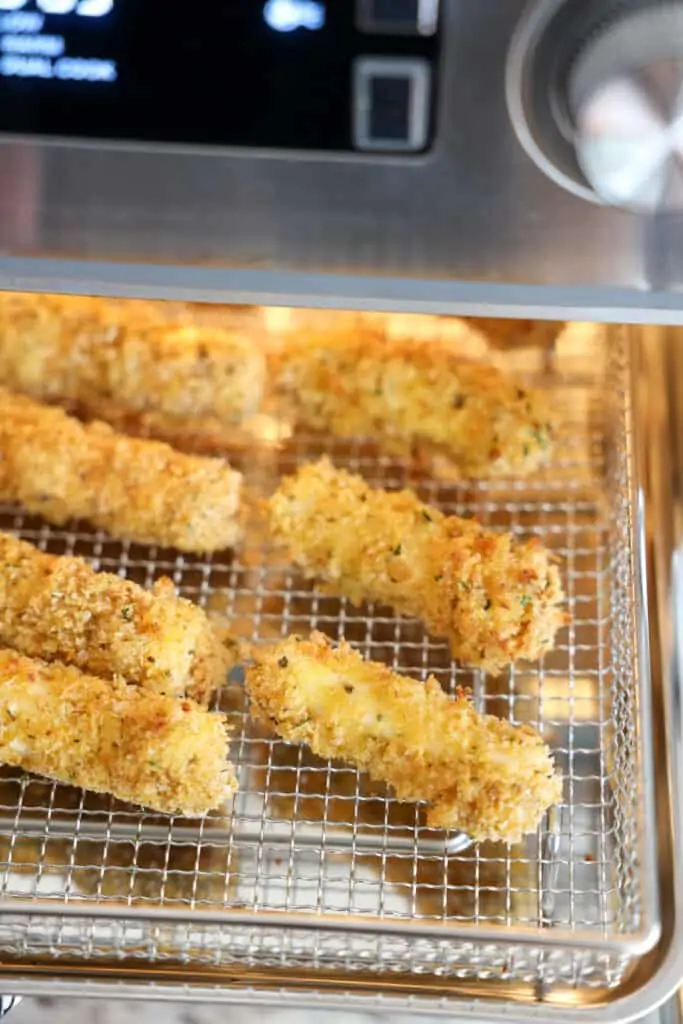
pixel 432 170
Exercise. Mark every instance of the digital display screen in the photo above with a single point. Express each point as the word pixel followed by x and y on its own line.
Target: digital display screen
pixel 273 73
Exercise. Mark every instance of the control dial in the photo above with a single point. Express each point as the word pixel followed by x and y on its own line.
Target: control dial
pixel 625 97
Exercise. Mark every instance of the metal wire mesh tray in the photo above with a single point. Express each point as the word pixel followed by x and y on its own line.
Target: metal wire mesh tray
pixel 313 868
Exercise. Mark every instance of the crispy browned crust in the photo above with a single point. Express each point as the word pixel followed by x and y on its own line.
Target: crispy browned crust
pixel 166 754
pixel 476 773
pixel 199 435
pixel 134 489
pixel 414 397
pixel 511 334
pixel 59 609
pixel 136 354
pixel 494 598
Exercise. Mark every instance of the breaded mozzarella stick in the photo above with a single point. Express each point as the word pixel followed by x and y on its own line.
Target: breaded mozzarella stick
pixel 85 350
pixel 494 598
pixel 134 489
pixel 411 396
pixel 59 609
pixel 476 773
pixel 166 754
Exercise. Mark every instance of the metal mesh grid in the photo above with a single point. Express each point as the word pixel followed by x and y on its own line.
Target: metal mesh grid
pixel 343 859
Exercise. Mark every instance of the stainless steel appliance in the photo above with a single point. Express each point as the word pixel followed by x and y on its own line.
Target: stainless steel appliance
pixel 409 157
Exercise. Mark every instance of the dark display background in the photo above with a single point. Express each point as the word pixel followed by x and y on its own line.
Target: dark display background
pixel 204 74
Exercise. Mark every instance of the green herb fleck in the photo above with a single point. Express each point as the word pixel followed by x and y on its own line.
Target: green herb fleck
pixel 541 435
pixel 427 516
pixel 127 613
pixel 525 600
pixel 398 549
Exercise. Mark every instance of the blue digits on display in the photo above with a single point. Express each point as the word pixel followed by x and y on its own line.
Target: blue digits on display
pixel 288 15
pixel 86 8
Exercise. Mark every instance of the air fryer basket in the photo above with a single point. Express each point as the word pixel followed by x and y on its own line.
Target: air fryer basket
pixel 313 868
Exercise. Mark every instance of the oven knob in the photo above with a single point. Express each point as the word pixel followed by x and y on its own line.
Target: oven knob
pixel 625 93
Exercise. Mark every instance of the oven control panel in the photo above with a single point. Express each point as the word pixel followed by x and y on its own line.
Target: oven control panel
pixel 358 75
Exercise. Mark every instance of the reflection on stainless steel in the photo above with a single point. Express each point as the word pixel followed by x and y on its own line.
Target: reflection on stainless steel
pixel 625 95
pixel 593 92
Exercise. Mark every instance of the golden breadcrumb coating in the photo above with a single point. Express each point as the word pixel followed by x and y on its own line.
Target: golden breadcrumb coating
pixel 66 348
pixel 59 609
pixel 166 754
pixel 496 599
pixel 135 489
pixel 414 397
pixel 476 773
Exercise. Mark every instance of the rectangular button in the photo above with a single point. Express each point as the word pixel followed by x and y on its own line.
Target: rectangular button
pixel 390 108
pixel 398 17
pixel 391 103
